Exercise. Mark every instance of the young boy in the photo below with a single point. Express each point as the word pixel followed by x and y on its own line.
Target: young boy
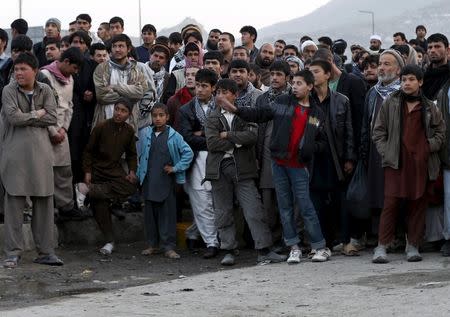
pixel 26 163
pixel 192 120
pixel 296 136
pixel 231 168
pixel 163 159
pixel 410 159
pixel 60 73
pixel 105 179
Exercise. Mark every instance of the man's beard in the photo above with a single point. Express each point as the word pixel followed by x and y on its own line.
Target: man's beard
pixel 387 78
pixel 266 62
pixel 436 61
pixel 211 46
pixel 155 66
pixel 373 48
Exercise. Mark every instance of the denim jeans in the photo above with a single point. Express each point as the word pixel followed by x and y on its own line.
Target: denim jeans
pixel 446 231
pixel 292 186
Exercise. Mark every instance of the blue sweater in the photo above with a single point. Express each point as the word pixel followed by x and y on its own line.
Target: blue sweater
pixel 180 153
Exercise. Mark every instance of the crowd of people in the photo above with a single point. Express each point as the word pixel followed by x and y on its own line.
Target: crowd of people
pixel 306 152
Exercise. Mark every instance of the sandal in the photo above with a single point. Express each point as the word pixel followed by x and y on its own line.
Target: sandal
pixel 150 251
pixel 350 250
pixel 50 259
pixel 11 262
pixel 171 254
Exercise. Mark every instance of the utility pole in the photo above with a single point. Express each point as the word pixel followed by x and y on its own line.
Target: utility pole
pixel 20 8
pixel 140 23
pixel 373 18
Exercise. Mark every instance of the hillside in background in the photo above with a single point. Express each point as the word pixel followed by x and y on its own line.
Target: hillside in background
pixel 342 19
pixel 179 26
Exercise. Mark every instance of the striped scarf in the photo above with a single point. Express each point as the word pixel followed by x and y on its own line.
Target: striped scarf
pixel 386 91
pixel 200 113
pixel 272 93
pixel 245 98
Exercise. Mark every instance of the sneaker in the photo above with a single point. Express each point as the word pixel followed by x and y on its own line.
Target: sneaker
pixel 210 253
pixel 228 259
pixel 312 253
pixel 446 248
pixel 412 254
pixel 321 255
pixel 171 254
pixel 107 248
pixel 294 256
pixel 380 255
pixel 271 257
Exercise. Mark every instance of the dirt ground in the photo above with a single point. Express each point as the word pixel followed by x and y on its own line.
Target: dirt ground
pixel 86 271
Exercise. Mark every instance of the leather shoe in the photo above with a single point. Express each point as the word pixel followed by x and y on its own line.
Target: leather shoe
pixel 210 253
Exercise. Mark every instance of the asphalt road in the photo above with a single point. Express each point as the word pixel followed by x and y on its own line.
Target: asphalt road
pixel 344 286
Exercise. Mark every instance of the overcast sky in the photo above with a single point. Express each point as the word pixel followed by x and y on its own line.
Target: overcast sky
pixel 161 13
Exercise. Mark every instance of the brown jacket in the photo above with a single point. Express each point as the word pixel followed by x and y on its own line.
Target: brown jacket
pixel 387 132
pixel 26 161
pixel 108 94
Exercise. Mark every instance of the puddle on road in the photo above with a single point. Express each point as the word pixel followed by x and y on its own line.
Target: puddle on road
pixel 417 279
pixel 79 291
pixel 29 289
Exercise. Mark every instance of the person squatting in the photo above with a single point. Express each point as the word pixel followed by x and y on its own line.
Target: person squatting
pixel 308 153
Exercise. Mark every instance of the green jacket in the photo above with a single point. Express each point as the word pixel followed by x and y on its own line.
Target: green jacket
pixel 387 132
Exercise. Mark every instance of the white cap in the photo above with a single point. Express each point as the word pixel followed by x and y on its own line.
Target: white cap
pixel 375 37
pixel 307 43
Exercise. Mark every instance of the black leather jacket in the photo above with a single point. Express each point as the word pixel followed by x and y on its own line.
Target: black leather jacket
pixel 282 112
pixel 339 130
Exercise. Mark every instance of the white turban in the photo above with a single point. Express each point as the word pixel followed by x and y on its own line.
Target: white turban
pixel 308 43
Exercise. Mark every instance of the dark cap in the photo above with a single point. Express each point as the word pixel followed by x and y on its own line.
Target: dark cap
pixel 161 47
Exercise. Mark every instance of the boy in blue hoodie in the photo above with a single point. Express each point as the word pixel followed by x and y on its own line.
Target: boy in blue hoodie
pixel 163 159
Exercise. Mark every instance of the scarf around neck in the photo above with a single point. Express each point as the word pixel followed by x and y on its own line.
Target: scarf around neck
pixel 158 78
pixel 54 70
pixel 356 71
pixel 272 93
pixel 120 67
pixel 245 98
pixel 200 113
pixel 386 91
pixel 433 80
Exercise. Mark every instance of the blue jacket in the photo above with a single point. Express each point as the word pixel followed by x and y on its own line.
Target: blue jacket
pixel 179 150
